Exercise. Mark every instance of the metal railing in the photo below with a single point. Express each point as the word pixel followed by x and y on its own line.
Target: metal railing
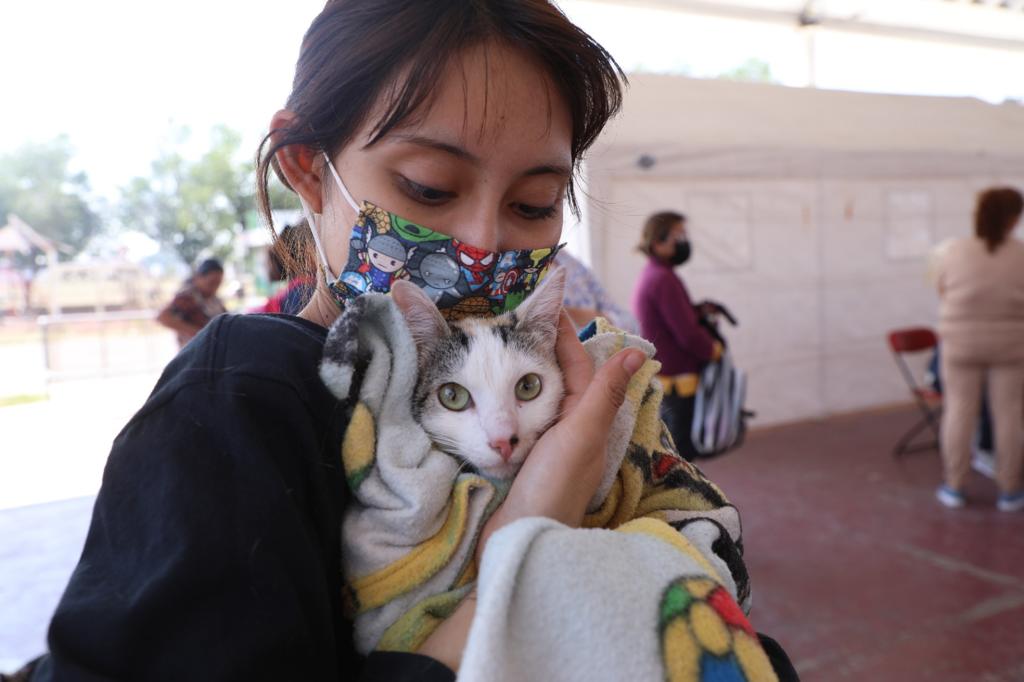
pixel 80 345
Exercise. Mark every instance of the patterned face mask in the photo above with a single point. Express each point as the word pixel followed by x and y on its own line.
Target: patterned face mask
pixel 462 280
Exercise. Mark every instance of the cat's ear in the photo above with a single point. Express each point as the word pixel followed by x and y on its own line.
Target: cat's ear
pixel 541 309
pixel 421 315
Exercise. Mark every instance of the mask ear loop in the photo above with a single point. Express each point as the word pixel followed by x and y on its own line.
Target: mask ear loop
pixel 341 185
pixel 314 229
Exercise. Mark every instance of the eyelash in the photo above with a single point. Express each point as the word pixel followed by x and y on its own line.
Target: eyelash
pixel 419 193
pixel 538 212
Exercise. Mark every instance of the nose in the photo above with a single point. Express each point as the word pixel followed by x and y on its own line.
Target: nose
pixel 504 446
pixel 482 226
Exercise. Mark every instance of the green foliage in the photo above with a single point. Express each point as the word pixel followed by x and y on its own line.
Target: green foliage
pixel 753 70
pixel 37 184
pixel 281 198
pixel 194 206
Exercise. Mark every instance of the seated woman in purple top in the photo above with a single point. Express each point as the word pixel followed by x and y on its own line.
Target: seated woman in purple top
pixel 669 320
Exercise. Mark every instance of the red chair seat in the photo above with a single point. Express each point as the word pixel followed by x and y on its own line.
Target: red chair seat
pixel 911 341
pixel 928 394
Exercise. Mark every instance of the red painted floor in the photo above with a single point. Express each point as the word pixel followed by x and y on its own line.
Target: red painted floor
pixel 858 571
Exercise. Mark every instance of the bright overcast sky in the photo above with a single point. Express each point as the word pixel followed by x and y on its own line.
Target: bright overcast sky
pixel 115 74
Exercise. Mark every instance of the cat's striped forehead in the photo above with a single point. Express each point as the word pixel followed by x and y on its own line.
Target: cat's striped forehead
pixel 467 333
pixel 503 326
pixel 511 330
pixel 487 335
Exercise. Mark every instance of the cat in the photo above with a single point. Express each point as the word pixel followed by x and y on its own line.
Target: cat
pixel 487 388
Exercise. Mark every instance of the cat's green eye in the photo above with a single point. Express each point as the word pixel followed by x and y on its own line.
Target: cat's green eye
pixel 454 397
pixel 528 387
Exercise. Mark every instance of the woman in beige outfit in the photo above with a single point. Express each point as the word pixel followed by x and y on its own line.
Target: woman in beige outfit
pixel 981 324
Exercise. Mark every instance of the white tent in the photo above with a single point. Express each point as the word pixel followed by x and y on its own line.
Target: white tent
pixel 18 237
pixel 812 214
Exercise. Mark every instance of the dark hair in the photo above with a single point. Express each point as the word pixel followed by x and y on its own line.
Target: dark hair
pixel 656 229
pixel 293 251
pixel 998 208
pixel 276 263
pixel 355 49
pixel 209 265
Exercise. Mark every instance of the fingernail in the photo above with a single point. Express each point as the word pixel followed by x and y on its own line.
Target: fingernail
pixel 634 360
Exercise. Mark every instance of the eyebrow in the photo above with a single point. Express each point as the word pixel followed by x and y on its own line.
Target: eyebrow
pixel 557 169
pixel 439 145
pixel 464 155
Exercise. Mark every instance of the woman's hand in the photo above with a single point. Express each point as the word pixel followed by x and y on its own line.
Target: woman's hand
pixel 563 470
pixel 582 316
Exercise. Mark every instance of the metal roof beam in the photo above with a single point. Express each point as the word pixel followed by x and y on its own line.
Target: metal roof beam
pixel 823 15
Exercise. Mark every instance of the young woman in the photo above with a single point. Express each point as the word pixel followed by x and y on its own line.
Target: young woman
pixel 214 550
pixel 981 323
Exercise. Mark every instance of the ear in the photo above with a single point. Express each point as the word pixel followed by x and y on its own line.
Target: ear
pixel 298 163
pixel 421 315
pixel 541 309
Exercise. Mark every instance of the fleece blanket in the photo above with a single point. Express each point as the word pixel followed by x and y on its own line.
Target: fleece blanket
pixel 659 563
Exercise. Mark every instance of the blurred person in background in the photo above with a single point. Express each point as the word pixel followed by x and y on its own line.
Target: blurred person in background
pixel 983 458
pixel 669 320
pixel 980 280
pixel 196 303
pixel 286 261
pixel 586 299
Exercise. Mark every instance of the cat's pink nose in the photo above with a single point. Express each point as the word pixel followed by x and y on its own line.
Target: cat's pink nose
pixel 504 446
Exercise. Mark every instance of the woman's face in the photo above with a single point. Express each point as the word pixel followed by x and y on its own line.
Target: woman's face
pixel 209 283
pixel 487 163
pixel 667 247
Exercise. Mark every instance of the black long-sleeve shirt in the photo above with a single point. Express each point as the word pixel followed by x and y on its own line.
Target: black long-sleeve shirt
pixel 214 551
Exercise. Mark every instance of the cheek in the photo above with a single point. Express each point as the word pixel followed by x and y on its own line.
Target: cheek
pixel 462 428
pixel 335 227
pixel 540 413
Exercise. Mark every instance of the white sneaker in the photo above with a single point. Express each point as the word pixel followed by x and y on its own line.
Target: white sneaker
pixel 949 497
pixel 984 462
pixel 1011 503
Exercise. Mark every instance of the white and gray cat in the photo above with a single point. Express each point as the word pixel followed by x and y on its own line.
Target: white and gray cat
pixel 487 388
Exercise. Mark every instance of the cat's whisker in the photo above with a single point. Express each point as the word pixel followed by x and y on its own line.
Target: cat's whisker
pixel 446 443
pixel 463 466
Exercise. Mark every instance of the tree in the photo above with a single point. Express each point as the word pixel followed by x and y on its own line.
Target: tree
pixel 197 206
pixel 753 70
pixel 37 184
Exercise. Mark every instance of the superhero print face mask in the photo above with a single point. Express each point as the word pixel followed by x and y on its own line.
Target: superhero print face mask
pixel 461 279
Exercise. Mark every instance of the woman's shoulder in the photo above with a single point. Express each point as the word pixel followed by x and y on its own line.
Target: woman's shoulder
pixel 656 275
pixel 256 353
pixel 961 250
pixel 973 248
pixel 1015 246
pixel 964 243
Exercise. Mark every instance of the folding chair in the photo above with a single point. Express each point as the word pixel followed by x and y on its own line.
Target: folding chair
pixel 904 342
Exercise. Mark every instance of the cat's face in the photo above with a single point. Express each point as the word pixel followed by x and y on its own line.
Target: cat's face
pixel 488 388
pixel 489 395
